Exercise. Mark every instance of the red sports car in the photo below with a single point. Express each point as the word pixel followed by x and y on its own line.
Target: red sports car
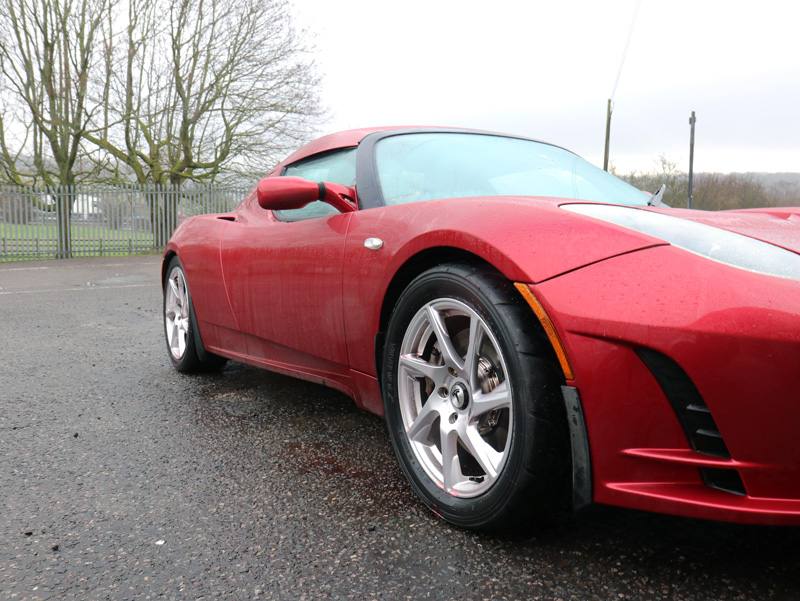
pixel 532 328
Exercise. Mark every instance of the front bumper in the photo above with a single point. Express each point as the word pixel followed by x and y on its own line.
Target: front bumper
pixel 734 335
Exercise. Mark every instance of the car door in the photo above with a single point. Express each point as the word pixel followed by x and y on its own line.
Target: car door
pixel 283 276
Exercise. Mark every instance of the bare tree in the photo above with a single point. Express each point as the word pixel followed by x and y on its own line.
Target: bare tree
pixel 152 91
pixel 200 90
pixel 786 193
pixel 666 172
pixel 12 144
pixel 203 89
pixel 715 191
pixel 47 50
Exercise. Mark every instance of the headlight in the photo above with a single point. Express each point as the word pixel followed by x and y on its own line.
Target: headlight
pixel 707 241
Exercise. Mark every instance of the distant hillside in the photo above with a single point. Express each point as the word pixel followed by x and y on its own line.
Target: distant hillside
pixel 773 179
pixel 768 179
pixel 716 191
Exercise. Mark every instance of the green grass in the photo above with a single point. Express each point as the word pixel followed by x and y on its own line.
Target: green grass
pixel 83 232
pixel 22 242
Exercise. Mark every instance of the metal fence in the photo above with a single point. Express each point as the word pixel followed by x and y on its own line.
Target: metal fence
pixel 84 221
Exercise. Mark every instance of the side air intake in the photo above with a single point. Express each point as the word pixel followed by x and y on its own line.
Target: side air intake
pixel 694 416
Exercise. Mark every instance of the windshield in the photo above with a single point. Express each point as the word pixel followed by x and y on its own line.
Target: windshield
pixel 426 166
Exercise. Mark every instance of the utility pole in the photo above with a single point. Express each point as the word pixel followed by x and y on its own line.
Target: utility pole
pixel 692 121
pixel 608 135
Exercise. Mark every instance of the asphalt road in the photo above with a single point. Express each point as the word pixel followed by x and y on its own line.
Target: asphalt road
pixel 122 479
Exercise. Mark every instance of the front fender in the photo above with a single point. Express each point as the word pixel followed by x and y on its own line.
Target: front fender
pixel 526 239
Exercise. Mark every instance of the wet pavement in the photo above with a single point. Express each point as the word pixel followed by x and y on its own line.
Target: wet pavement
pixel 122 479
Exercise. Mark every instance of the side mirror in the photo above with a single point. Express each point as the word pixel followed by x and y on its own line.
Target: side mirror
pixel 285 193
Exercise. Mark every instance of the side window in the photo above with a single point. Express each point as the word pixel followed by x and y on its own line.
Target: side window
pixel 338 167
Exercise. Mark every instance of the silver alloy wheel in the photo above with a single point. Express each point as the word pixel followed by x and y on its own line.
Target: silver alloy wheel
pixel 454 397
pixel 176 313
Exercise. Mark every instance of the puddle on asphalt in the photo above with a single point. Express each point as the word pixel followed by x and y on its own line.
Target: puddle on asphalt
pixel 119 279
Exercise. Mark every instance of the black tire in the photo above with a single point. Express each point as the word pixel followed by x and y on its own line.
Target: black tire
pixel 180 325
pixel 476 466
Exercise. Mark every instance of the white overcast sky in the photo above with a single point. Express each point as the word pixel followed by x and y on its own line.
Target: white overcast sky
pixel 546 69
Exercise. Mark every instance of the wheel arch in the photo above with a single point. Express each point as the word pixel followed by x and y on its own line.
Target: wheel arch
pixel 410 269
pixel 414 266
pixel 580 460
pixel 165 264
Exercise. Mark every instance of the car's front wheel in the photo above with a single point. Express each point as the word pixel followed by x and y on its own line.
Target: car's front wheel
pixel 472 399
pixel 179 324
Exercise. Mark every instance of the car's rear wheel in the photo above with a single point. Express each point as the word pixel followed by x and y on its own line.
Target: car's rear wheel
pixel 472 399
pixel 179 324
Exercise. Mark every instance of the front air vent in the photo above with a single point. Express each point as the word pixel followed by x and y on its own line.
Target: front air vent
pixel 695 418
pixel 723 479
pixel 693 414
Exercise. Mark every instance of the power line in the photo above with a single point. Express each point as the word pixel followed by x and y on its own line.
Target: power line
pixel 616 83
pixel 625 52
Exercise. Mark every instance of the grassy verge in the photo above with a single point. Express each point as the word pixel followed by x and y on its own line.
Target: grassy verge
pixel 22 242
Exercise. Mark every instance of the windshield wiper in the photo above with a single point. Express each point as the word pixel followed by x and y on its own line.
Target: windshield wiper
pixel 655 199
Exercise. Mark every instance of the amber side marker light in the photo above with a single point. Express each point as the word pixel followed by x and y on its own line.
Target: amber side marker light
pixel 548 328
